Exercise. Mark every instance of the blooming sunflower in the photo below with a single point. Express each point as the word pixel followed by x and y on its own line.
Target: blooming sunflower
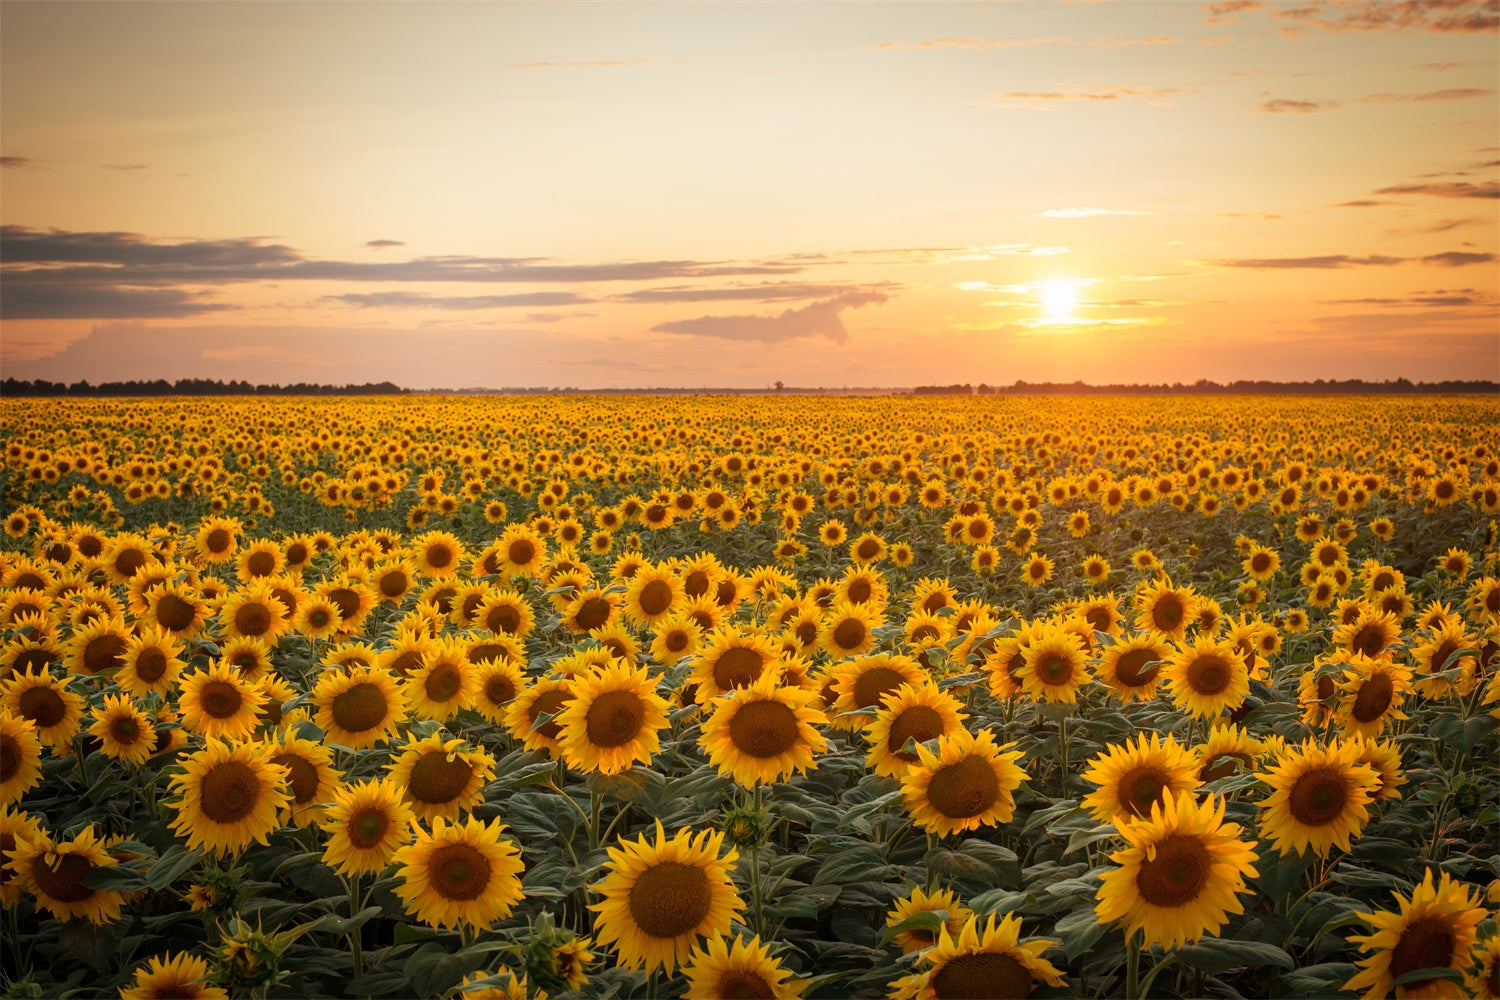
pixel 20 757
pixel 921 901
pixel 317 618
pixel 848 629
pixel 763 732
pixel 438 553
pixel 444 684
pixel 366 824
pixel 915 711
pixel 660 897
pixel 545 696
pixel 1372 632
pixel 14 827
pixel 441 777
pixel 966 783
pixel 48 702
pixel 1436 655
pixel 180 975
pixel 1180 874
pixel 358 708
pixel 732 658
pixel 231 795
pixel 1207 678
pixel 1055 666
pixel 219 703
pixel 153 661
pixel 97 647
pixel 986 959
pixel 1370 695
pixel 311 777
pixel 1434 928
pixel 1319 798
pixel 1227 750
pixel 652 594
pixel 744 969
pixel 497 682
pixel 54 871
pixel 123 730
pixel 1131 668
pixel 1164 608
pixel 253 612
pixel 1135 777
pixel 505 612
pixel 217 539
pixel 1036 570
pixel 614 720
pixel 1484 981
pixel 860 684
pixel 460 873
pixel 521 551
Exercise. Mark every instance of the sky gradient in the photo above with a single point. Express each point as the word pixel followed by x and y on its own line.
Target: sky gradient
pixel 727 194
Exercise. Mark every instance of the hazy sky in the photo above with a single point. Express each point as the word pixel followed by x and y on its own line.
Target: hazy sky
pixel 685 194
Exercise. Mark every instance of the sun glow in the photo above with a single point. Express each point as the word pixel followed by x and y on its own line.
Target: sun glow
pixel 1059 299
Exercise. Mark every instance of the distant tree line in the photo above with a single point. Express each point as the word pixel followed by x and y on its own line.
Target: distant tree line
pixel 192 387
pixel 1204 387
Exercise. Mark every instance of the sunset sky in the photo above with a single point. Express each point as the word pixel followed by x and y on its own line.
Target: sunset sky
pixel 730 194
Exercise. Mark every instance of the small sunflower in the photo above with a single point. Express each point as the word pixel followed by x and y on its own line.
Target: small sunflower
pixel 219 703
pixel 496 682
pixel 1228 750
pixel 358 708
pixel 253 612
pixel 1433 928
pixel 921 901
pixel 54 872
pixel 180 975
pixel 966 783
pixel 317 618
pixel 613 721
pixel 543 697
pixel 444 684
pixel 1180 875
pixel 986 959
pixel 123 730
pixel 1372 632
pixel 230 796
pixel 522 551
pixel 1320 798
pixel 914 711
pixel 98 647
pixel 1207 678
pixel 441 778
pixel 1135 777
pixel 1370 695
pixel 1131 668
pixel 366 824
pixel 652 594
pixel 1164 608
pixel 1036 570
pixel 438 553
pixel 1435 655
pixel 460 873
pixel 660 897
pixel 763 732
pixel 744 969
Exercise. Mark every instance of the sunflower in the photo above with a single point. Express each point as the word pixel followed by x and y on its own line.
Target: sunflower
pixel 868 548
pixel 311 777
pixel 49 703
pixel 177 608
pixel 20 758
pixel 1261 563
pixel 1228 750
pixel 1384 758
pixel 848 629
pixel 661 897
pixel 964 784
pixel 1436 655
pixel 497 681
pixel 54 872
pixel 230 796
pixel 366 824
pixel 1434 928
pixel 1207 678
pixel 1370 695
pixel 1484 981
pixel 1180 874
pixel 219 703
pixel 652 594
pixel 355 599
pixel 1036 570
pixel 763 732
pixel 261 558
pixel 444 684
pixel 97 647
pixel 1164 608
pixel 460 873
pixel 914 711
pixel 743 969
pixel 441 778
pixel 438 553
pixel 253 612
pixel 614 720
pixel 862 585
pixel 180 975
pixel 985 959
pixel 123 730
pixel 358 708
pixel 1135 777
pixel 511 986
pixel 545 696
pixel 153 662
pixel 1371 632
pixel 393 579
pixel 1055 666
pixel 14 828
pixel 521 551
pixel 589 609
pixel 505 612
pixel 217 539
pixel 860 683
pixel 124 554
pixel 317 618
pixel 675 637
pixel 733 658
pixel 1320 798
pixel 920 901
pixel 1131 668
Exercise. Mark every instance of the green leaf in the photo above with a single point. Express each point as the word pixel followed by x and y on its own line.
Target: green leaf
pixel 923 920
pixel 1079 931
pixel 1424 975
pixel 335 924
pixel 116 878
pixel 171 866
pixel 1219 954
pixel 1084 838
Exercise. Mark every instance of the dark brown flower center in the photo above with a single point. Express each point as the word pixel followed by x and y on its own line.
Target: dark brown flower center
pixel 503 618
pixel 63 883
pixel 1209 674
pixel 1177 874
pixel 260 563
pixel 549 703
pixel 218 540
pixel 252 618
pixel 738 666
pixel 43 706
pixel 220 699
pixel 592 613
pixel 1131 668
pixel 175 614
pixel 670 899
pixel 103 652
pixel 763 729
pixel 521 552
pixel 919 723
pixel 1167 613
pixel 615 718
pixel 1319 796
pixel 458 872
pixel 1425 944
pixel 362 707
pixel 963 789
pixel 10 759
pixel 437 780
pixel 125 730
pixel 1141 787
pixel 498 689
pixel 443 682
pixel 228 792
pixel 656 597
pixel 367 827
pixel 439 556
pixel 1369 639
pixel 987 975
pixel 303 779
pixel 872 684
pixel 849 633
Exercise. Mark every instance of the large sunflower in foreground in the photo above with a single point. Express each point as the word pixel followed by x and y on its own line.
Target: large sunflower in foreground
pixel 744 969
pixel 1207 678
pixel 1180 875
pixel 915 711
pixel 366 824
pixel 1133 778
pixel 965 784
pixel 986 959
pixel 230 797
pixel 661 897
pixel 180 975
pixel 53 872
pixel 460 873
pixel 358 708
pixel 613 721
pixel 1320 797
pixel 1434 928
pixel 763 732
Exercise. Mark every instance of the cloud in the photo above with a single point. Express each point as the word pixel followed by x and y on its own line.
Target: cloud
pixel 1283 105
pixel 419 300
pixel 382 244
pixel 1086 213
pixel 1447 189
pixel 1040 99
pixel 1326 262
pixel 821 319
pixel 1457 258
pixel 1424 301
pixel 32 300
pixel 1453 94
pixel 1440 16
pixel 766 292
pixel 1224 11
pixel 32 246
pixel 125 166
pixel 15 162
pixel 1364 203
pixel 975 44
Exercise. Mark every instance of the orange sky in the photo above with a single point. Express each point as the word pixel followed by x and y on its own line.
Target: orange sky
pixel 728 194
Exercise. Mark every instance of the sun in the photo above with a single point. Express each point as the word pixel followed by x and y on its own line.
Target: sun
pixel 1059 298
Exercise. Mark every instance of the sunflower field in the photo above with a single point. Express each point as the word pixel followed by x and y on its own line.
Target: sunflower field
pixel 758 697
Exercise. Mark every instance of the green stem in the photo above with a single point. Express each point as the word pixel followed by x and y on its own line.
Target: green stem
pixel 595 803
pixel 1062 754
pixel 933 841
pixel 756 893
pixel 356 936
pixel 1151 976
pixel 1132 969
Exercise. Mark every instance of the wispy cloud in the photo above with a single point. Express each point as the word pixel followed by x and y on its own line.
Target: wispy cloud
pixel 1284 105
pixel 15 162
pixel 821 319
pixel 33 300
pixel 1086 213
pixel 1440 16
pixel 1247 215
pixel 765 292
pixel 382 244
pixel 125 166
pixel 1447 189
pixel 1452 94
pixel 1458 258
pixel 1324 262
pixel 1124 43
pixel 1042 99
pixel 419 300
pixel 1224 11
